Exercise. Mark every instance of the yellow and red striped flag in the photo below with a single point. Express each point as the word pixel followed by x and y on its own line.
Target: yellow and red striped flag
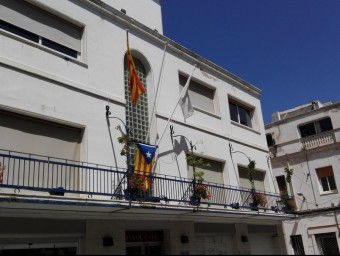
pixel 136 87
pixel 144 161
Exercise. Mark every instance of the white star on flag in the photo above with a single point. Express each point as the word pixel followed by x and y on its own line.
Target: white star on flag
pixel 148 155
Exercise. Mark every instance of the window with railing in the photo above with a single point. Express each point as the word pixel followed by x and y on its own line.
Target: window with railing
pixel 327 243
pixel 297 244
pixel 315 127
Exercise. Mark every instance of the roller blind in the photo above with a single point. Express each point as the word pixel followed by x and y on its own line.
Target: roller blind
pixel 44 24
pixel 258 179
pixel 200 95
pixel 214 173
pixel 325 172
pixel 35 136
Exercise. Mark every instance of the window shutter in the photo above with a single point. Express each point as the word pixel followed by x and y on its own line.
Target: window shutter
pixel 325 172
pixel 37 21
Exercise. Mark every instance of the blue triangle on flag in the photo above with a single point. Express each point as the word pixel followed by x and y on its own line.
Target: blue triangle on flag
pixel 147 151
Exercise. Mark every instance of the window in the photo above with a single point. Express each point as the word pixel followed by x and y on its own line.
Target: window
pixel 270 140
pixel 212 173
pixel 297 245
pixel 34 24
pixel 258 179
pixel 316 127
pixel 137 117
pixel 201 96
pixel 327 243
pixel 281 182
pixel 326 178
pixel 240 113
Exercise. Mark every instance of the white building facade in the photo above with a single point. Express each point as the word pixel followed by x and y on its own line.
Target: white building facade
pixel 64 102
pixel 306 141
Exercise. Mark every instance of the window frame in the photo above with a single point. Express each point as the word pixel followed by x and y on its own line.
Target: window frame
pixel 48 36
pixel 324 178
pixel 244 107
pixel 139 119
pixel 297 244
pixel 216 166
pixel 212 108
pixel 317 127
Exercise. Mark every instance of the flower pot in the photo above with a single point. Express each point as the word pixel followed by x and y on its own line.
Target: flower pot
pixel 254 206
pixel 195 200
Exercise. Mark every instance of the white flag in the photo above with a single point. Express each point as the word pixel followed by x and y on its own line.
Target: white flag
pixel 185 104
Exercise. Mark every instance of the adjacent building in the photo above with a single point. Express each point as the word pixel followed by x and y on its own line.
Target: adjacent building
pixel 65 118
pixel 305 141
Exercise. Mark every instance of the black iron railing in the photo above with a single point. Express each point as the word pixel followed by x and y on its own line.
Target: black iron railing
pixel 58 176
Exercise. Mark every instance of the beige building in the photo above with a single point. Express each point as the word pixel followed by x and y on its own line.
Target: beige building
pixel 64 101
pixel 305 140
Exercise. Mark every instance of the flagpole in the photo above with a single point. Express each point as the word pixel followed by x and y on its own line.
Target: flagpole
pixel 156 94
pixel 180 96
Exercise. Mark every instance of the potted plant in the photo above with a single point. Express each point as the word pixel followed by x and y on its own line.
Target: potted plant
pixel 260 199
pixel 200 190
pixel 138 186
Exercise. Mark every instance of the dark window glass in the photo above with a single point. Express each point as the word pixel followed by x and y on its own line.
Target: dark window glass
pixel 325 125
pixel 19 31
pixel 281 182
pixel 233 112
pixel 297 245
pixel 307 130
pixel 244 116
pixel 324 184
pixel 270 141
pixel 331 181
pixel 59 48
pixel 328 243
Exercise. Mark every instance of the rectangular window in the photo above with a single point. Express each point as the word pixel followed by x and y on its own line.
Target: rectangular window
pixel 281 182
pixel 327 244
pixel 201 96
pixel 34 24
pixel 240 113
pixel 326 178
pixel 297 245
pixel 316 127
pixel 212 173
pixel 270 140
pixel 258 179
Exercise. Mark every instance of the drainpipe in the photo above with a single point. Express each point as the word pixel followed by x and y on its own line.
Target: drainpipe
pixel 311 182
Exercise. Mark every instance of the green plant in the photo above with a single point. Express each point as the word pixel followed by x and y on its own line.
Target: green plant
pixel 124 140
pixel 289 173
pixel 251 171
pixel 196 161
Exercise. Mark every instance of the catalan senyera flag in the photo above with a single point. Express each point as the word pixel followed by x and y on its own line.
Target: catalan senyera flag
pixel 144 161
pixel 136 87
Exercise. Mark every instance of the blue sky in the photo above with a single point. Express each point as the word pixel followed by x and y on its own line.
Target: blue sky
pixel 290 49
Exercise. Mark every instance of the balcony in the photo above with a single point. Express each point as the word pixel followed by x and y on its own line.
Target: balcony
pixel 45 177
pixel 318 140
pixel 311 142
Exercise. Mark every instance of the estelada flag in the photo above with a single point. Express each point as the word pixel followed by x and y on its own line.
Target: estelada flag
pixel 136 87
pixel 144 161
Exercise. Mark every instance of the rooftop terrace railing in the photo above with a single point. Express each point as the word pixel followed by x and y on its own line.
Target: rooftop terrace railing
pixel 59 176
